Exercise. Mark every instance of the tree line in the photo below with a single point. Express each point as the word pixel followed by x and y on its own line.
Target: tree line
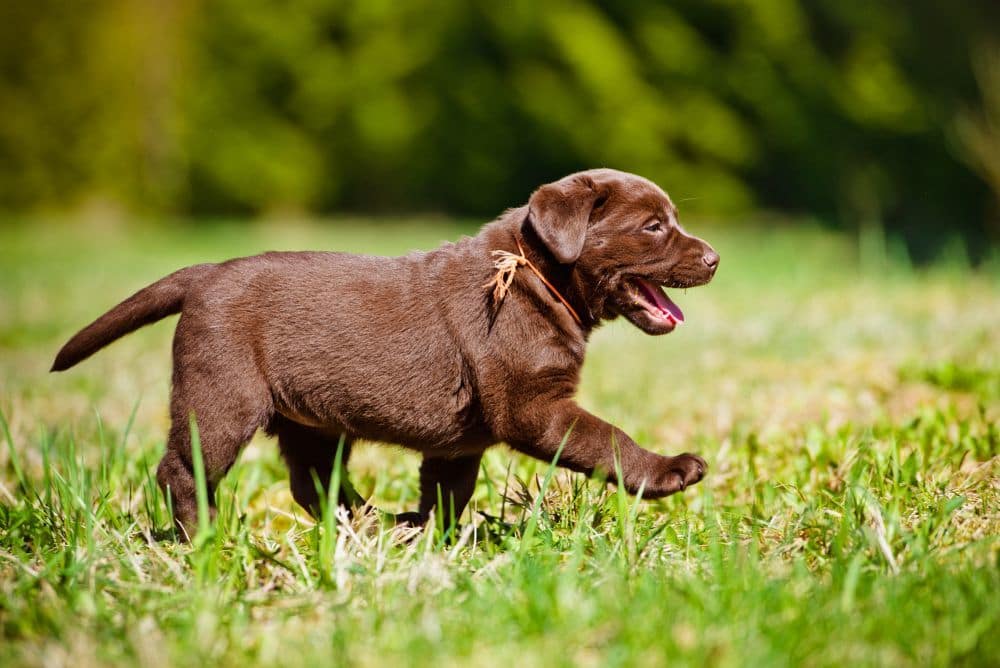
pixel 884 112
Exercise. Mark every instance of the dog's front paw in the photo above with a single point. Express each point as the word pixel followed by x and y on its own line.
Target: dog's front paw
pixel 410 519
pixel 681 472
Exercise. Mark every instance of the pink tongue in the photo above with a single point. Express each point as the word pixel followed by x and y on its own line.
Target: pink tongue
pixel 662 301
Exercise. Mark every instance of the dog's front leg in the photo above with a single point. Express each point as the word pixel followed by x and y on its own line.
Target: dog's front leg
pixel 447 483
pixel 540 427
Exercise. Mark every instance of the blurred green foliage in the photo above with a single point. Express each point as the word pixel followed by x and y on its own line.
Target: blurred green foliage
pixel 857 113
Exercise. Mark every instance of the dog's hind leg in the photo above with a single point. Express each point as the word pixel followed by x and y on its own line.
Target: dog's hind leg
pixel 310 454
pixel 228 404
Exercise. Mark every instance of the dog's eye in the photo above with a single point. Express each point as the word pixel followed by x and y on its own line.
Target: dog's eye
pixel 600 201
pixel 654 226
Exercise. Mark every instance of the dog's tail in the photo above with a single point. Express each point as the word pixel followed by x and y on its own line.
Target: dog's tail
pixel 152 303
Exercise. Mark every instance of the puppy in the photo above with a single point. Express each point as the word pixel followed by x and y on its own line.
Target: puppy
pixel 447 352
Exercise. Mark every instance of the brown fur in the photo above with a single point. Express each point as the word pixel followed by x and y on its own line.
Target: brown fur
pixel 314 347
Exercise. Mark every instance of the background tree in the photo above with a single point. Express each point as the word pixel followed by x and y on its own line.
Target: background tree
pixel 851 113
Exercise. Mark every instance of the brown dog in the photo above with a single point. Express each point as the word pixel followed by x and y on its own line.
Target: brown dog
pixel 419 350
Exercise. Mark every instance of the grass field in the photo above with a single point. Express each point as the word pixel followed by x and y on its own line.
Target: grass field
pixel 848 410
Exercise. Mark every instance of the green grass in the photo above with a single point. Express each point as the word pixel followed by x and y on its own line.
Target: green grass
pixel 850 515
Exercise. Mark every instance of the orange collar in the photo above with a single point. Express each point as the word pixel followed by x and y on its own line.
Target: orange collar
pixel 506 264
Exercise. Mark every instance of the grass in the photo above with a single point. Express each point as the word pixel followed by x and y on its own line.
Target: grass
pixel 849 413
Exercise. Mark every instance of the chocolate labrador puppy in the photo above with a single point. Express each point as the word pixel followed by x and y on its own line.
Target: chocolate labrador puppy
pixel 446 352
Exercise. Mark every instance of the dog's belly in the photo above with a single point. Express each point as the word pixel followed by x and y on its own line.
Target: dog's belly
pixel 418 415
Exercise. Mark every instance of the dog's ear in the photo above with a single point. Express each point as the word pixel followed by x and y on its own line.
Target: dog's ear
pixel 559 213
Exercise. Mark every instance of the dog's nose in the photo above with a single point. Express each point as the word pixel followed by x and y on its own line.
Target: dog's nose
pixel 711 258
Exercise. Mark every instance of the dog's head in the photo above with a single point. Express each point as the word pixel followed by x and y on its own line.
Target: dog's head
pixel 620 233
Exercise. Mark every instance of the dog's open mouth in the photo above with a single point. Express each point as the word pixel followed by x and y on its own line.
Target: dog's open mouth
pixel 656 302
pixel 649 307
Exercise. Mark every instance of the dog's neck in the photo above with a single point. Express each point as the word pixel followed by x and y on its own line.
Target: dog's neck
pixel 562 277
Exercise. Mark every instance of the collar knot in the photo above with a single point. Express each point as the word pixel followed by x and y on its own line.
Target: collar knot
pixel 506 264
